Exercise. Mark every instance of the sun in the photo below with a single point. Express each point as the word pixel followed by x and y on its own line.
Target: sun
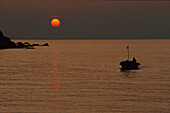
pixel 55 22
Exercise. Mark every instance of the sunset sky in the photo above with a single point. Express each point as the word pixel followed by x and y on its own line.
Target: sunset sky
pixel 85 19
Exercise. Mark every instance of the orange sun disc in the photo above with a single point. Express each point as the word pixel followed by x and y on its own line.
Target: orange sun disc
pixel 55 22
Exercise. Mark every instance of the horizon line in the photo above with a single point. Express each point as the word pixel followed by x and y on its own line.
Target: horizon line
pixel 103 39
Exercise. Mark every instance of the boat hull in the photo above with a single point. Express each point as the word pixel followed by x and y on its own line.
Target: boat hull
pixel 129 65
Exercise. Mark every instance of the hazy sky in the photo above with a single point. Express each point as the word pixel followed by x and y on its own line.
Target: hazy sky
pixel 85 19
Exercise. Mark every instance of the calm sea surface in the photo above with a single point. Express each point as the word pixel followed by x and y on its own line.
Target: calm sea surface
pixel 83 76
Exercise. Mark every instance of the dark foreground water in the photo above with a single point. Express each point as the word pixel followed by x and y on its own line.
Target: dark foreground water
pixel 84 76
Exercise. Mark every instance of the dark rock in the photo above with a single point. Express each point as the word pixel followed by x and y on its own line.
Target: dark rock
pixel 46 44
pixel 20 45
pixel 35 45
pixel 1 34
pixel 5 42
pixel 30 47
pixel 27 44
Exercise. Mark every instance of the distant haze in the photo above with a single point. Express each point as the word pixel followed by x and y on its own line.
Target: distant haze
pixel 85 19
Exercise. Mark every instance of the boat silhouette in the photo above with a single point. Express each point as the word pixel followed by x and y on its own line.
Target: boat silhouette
pixel 129 65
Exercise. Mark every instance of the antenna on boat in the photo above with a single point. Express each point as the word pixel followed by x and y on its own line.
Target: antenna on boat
pixel 128 51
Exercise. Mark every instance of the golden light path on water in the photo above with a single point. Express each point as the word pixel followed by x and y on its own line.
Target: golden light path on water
pixel 55 76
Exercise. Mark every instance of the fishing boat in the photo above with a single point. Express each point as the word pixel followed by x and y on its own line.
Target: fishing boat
pixel 129 65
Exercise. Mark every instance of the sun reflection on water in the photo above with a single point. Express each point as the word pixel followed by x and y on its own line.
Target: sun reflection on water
pixel 55 79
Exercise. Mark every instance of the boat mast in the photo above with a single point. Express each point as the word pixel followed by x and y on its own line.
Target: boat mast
pixel 128 51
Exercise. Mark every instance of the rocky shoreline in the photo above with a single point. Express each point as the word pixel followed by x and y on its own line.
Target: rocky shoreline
pixel 6 43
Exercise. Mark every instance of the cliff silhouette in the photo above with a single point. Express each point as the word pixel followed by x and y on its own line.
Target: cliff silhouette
pixel 6 43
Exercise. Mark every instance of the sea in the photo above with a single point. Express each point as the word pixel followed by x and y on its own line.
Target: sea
pixel 84 76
